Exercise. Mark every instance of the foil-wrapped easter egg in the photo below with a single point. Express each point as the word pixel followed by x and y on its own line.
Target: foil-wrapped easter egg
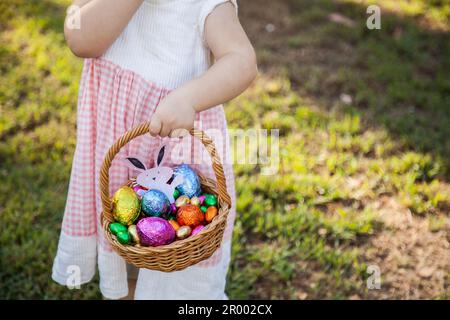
pixel 172 216
pixel 116 227
pixel 190 215
pixel 154 231
pixel 201 199
pixel 125 206
pixel 139 191
pixel 181 201
pixel 174 224
pixel 155 203
pixel 195 201
pixel 210 200
pixel 191 182
pixel 133 234
pixel 123 237
pixel 211 212
pixel 204 209
pixel 184 232
pixel 197 229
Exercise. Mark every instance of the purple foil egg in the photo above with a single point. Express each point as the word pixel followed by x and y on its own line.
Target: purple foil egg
pixel 154 231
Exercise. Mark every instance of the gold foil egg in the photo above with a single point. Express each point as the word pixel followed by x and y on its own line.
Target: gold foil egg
pixel 125 206
pixel 195 201
pixel 133 233
pixel 184 232
pixel 181 201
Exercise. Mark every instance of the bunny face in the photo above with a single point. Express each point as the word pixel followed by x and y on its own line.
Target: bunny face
pixel 154 175
pixel 157 177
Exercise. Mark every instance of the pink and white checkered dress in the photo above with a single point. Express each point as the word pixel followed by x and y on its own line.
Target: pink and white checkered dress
pixel 115 97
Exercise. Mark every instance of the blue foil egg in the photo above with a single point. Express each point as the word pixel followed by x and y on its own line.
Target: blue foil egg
pixel 155 203
pixel 191 185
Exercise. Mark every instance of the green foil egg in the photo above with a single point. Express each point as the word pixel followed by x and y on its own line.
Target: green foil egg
pixel 126 206
pixel 176 194
pixel 203 208
pixel 123 237
pixel 210 200
pixel 117 227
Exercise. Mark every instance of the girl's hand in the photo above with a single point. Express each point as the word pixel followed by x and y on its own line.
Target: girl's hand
pixel 232 72
pixel 173 116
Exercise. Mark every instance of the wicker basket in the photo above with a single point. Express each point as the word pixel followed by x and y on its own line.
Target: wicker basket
pixel 182 253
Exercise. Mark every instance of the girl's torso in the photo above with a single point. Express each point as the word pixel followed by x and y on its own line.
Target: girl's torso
pixel 164 41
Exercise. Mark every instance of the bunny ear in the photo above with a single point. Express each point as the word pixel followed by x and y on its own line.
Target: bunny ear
pixel 176 181
pixel 160 155
pixel 171 179
pixel 134 163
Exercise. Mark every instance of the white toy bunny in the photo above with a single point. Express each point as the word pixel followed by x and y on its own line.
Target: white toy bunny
pixel 159 178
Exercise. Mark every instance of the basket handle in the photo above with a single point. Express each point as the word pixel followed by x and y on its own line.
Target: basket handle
pixel 142 129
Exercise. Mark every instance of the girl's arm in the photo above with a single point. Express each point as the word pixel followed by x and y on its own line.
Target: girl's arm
pixel 235 65
pixel 233 71
pixel 102 21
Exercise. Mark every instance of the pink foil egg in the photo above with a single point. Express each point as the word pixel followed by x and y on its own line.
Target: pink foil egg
pixel 154 231
pixel 139 190
pixel 201 199
pixel 197 229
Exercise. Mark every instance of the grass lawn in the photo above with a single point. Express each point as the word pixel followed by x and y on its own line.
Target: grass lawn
pixel 364 119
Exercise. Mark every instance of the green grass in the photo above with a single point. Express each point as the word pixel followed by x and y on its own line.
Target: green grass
pixel 300 231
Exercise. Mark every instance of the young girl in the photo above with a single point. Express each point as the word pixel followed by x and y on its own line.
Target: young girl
pixel 169 62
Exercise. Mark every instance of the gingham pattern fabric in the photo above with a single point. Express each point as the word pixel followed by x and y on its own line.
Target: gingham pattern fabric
pixel 113 100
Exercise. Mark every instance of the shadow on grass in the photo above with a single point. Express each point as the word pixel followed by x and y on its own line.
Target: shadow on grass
pixel 396 77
